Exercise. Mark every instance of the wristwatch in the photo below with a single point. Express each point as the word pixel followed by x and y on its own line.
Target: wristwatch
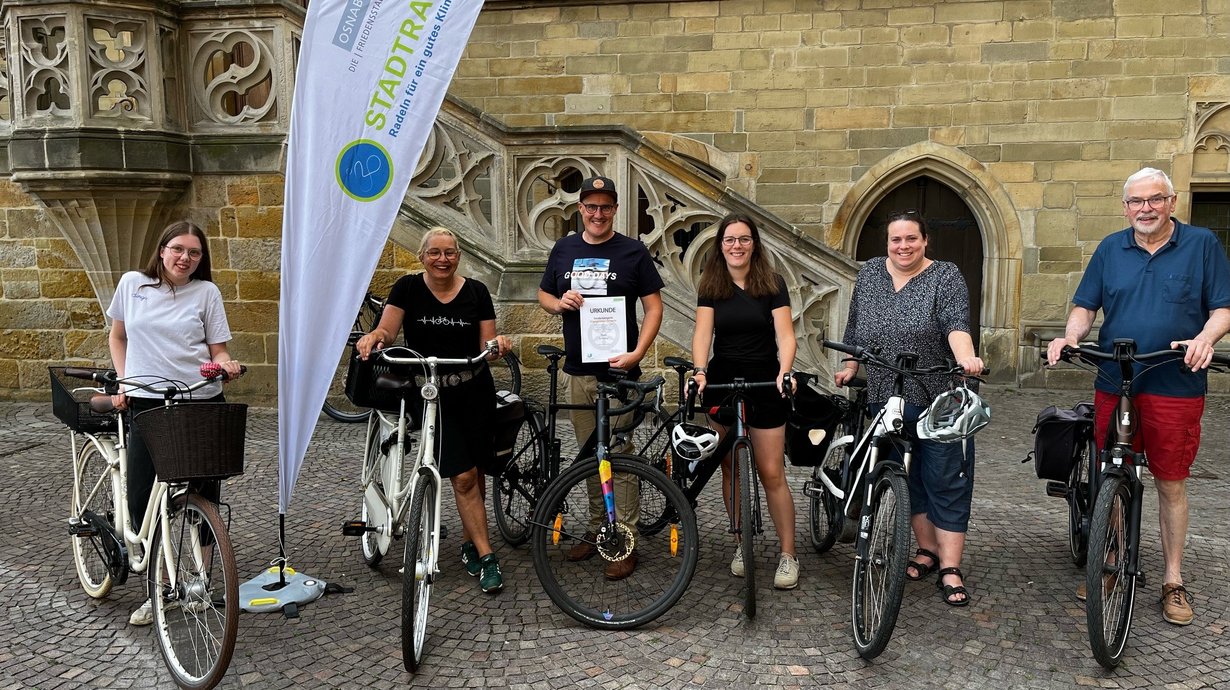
pixel 700 370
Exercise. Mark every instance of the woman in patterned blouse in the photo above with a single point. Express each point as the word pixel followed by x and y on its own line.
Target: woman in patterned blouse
pixel 906 302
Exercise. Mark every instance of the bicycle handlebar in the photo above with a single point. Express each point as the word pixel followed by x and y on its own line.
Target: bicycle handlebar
pixel 493 346
pixel 873 358
pixel 210 372
pixel 1126 354
pixel 641 388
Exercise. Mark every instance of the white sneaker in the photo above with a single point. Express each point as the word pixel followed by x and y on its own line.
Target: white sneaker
pixel 736 566
pixel 143 615
pixel 787 576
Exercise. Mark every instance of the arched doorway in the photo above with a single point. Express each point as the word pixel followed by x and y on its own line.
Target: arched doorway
pixel 953 233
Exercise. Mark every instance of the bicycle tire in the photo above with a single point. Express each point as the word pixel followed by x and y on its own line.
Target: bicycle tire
pixel 417 574
pixel 745 468
pixel 580 588
pixel 1110 589
pixel 337 406
pixel 196 642
pixel 516 490
pixel 879 572
pixel 827 515
pixel 369 542
pixel 506 371
pixel 1079 505
pixel 93 502
pixel 656 448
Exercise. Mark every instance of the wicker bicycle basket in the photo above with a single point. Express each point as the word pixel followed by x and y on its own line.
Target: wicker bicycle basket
pixel 74 408
pixel 195 441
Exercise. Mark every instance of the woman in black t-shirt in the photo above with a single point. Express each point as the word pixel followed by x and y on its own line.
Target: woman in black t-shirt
pixel 743 311
pixel 447 315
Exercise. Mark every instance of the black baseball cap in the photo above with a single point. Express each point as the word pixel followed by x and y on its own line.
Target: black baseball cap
pixel 598 183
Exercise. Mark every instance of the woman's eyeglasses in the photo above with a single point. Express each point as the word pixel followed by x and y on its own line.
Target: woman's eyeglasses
pixel 434 254
pixel 178 251
pixel 732 241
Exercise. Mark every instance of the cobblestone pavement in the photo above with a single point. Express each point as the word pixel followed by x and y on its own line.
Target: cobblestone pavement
pixel 1024 628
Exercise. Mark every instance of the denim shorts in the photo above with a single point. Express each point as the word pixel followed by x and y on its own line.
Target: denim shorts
pixel 941 477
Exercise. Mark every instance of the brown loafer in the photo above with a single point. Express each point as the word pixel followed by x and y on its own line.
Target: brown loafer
pixel 618 570
pixel 584 549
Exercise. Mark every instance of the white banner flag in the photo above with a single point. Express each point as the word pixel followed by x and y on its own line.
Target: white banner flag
pixel 370 79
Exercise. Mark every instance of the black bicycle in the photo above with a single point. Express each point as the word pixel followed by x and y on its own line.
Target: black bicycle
pixel 1112 569
pixel 539 452
pixel 591 560
pixel 877 492
pixel 692 476
pixel 830 521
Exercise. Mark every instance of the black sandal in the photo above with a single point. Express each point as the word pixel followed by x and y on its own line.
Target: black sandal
pixel 922 570
pixel 948 591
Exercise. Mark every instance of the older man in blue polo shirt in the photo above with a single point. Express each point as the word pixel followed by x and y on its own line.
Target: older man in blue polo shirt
pixel 1162 283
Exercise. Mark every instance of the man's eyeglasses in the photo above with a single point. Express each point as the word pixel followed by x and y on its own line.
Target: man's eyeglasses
pixel 732 241
pixel 1135 204
pixel 177 251
pixel 434 254
pixel 604 209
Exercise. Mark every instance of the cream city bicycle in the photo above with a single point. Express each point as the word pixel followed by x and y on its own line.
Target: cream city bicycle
pixel 387 498
pixel 181 541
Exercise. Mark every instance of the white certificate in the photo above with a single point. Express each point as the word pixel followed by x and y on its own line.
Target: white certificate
pixel 604 328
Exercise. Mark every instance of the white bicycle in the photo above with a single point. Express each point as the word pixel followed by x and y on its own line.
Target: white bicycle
pixel 387 498
pixel 181 542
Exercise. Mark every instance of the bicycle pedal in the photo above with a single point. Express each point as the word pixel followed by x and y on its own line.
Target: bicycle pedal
pixel 1057 489
pixel 80 528
pixel 356 528
pixel 811 489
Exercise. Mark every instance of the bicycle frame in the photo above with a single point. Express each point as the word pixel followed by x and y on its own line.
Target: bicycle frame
pixel 115 450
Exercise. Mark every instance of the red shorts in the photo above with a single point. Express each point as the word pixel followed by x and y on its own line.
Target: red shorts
pixel 1168 430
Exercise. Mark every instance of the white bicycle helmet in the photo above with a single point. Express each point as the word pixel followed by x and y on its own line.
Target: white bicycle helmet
pixel 954 416
pixel 693 442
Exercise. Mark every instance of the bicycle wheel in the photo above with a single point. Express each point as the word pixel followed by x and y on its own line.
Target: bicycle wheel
pixel 196 619
pixel 665 561
pixel 370 543
pixel 507 373
pixel 95 549
pixel 879 572
pixel 1079 505
pixel 337 405
pixel 655 446
pixel 517 489
pixel 827 517
pixel 417 574
pixel 1110 588
pixel 744 467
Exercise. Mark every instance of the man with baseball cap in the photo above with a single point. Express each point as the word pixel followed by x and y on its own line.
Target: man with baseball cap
pixel 600 262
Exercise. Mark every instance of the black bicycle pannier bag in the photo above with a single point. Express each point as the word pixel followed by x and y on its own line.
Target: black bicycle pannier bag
pixel 1058 437
pixel 813 410
pixel 509 413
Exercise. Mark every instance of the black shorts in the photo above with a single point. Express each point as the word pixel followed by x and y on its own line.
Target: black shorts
pixel 766 408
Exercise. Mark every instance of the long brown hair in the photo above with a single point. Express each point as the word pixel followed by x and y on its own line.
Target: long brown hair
pixel 154 268
pixel 715 280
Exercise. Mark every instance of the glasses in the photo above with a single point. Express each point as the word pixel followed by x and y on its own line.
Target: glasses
pixel 434 254
pixel 732 241
pixel 594 209
pixel 178 251
pixel 1135 204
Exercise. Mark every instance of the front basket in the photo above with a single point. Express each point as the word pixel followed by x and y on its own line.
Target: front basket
pixel 74 408
pixel 195 440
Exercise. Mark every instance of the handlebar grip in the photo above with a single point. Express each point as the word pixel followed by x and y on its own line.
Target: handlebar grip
pixel 852 350
pixel 214 370
pixel 87 374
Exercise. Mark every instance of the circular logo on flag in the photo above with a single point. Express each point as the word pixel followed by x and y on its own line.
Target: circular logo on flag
pixel 364 170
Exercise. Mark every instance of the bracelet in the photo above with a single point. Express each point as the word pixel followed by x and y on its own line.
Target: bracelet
pixel 698 371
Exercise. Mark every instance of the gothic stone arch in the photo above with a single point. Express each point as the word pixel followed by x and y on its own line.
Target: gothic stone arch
pixel 997 220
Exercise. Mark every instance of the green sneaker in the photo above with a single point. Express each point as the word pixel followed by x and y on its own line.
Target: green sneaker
pixel 492 579
pixel 469 558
